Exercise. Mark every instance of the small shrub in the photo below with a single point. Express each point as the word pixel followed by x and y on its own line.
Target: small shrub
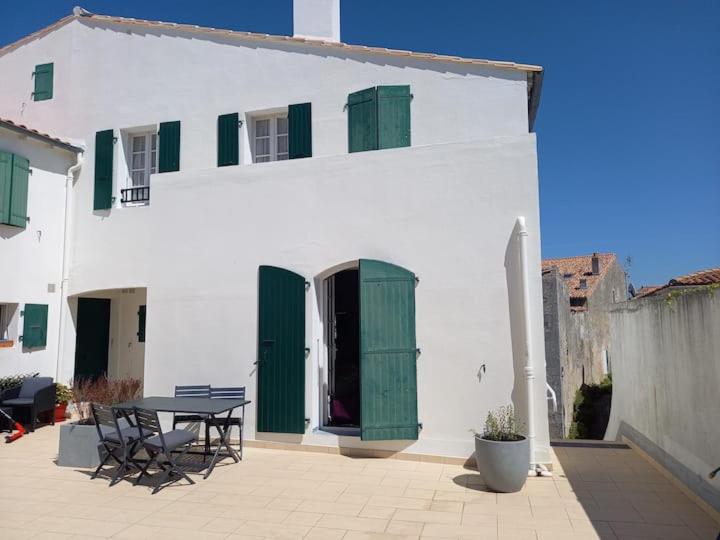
pixel 14 380
pixel 502 425
pixel 591 410
pixel 102 391
pixel 63 394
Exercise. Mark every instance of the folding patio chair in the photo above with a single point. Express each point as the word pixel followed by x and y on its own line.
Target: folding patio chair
pixel 162 446
pixel 237 392
pixel 120 445
pixel 197 391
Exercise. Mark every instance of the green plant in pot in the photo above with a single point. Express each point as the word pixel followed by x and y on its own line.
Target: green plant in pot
pixel 502 453
pixel 63 394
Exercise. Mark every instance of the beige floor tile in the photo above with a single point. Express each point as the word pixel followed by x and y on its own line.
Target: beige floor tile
pixel 66 525
pixel 322 533
pixel 274 530
pixel 223 525
pixel 428 516
pixel 303 518
pixel 511 533
pixel 419 493
pixel 144 532
pixel 282 503
pixel 446 506
pixel 404 528
pixel 357 535
pixel 353 523
pixel 440 530
pixel 380 512
pixel 407 503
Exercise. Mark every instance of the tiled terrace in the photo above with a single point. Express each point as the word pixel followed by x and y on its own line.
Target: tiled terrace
pixel 595 493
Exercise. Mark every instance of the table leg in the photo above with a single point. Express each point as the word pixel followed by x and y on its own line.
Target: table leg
pixel 223 442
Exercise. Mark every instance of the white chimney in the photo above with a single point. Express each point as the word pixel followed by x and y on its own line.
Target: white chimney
pixel 316 19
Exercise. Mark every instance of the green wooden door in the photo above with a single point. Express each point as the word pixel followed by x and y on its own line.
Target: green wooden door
pixel 281 351
pixel 388 378
pixel 93 337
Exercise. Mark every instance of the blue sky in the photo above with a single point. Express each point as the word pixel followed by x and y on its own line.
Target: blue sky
pixel 629 123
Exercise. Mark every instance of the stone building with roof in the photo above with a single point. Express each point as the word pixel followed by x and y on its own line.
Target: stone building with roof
pixel 577 292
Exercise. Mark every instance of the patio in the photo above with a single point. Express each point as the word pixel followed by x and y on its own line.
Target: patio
pixel 594 493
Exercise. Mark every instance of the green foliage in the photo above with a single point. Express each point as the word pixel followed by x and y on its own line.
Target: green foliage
pixel 103 391
pixel 591 410
pixel 673 295
pixel 63 394
pixel 502 425
pixel 14 380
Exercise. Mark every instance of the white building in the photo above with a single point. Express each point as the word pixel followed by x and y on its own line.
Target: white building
pixel 369 295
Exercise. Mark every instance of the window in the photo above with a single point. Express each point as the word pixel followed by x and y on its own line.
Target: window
pixel 7 324
pixel 143 158
pixel 270 138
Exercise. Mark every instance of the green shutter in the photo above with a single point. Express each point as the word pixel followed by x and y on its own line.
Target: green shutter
pixel 19 192
pixel 362 120
pixel 35 317
pixel 281 351
pixel 103 170
pixel 300 130
pixel 43 82
pixel 228 139
pixel 169 159
pixel 393 103
pixel 6 159
pixel 142 313
pixel 388 378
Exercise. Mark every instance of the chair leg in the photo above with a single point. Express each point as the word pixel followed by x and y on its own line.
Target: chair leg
pixel 99 467
pixel 118 475
pixel 143 470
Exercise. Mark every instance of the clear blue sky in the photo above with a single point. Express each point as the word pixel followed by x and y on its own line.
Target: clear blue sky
pixel 629 123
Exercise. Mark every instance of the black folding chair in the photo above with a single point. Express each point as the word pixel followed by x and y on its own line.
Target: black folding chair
pixel 120 445
pixel 237 392
pixel 197 391
pixel 162 446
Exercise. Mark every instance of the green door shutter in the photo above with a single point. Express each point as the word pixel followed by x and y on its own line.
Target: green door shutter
pixel 228 140
pixel 35 319
pixel 103 169
pixel 388 379
pixel 19 192
pixel 393 104
pixel 5 185
pixel 300 130
pixel 142 313
pixel 43 82
pixel 362 120
pixel 281 351
pixel 169 158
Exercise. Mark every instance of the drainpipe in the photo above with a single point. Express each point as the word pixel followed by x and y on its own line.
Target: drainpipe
pixel 67 232
pixel 535 469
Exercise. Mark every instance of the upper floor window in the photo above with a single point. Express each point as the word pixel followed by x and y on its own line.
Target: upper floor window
pixel 270 138
pixel 143 158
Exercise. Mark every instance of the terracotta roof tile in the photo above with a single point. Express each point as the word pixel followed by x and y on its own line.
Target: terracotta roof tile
pixel 15 126
pixel 575 269
pixel 702 277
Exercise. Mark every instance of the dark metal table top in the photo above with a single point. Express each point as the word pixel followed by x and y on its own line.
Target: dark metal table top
pixel 191 405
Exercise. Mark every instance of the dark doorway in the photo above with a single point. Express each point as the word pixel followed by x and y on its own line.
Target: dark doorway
pixel 344 348
pixel 93 336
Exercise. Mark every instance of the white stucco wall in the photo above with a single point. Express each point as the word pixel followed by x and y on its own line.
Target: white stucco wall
pixel 666 375
pixel 445 212
pixel 32 257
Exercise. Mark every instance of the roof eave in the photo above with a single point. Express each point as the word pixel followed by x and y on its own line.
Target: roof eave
pixel 40 137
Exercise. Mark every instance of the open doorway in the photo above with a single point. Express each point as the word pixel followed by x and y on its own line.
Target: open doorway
pixel 343 323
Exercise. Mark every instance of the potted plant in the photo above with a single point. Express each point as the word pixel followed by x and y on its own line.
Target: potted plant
pixel 79 442
pixel 62 396
pixel 502 454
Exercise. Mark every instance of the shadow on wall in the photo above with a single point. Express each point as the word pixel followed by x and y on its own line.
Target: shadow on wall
pixel 513 276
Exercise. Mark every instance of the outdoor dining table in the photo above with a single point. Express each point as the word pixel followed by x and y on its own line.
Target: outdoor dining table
pixel 201 406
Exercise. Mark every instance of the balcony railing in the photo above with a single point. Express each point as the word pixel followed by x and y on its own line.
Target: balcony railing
pixel 135 194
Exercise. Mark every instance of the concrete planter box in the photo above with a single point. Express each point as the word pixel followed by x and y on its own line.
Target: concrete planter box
pixel 80 446
pixel 503 465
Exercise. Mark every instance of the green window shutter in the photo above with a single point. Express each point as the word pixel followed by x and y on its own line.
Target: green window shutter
pixel 228 140
pixel 35 318
pixel 388 378
pixel 362 120
pixel 393 104
pixel 103 170
pixel 43 82
pixel 19 192
pixel 281 351
pixel 142 313
pixel 300 130
pixel 6 159
pixel 169 159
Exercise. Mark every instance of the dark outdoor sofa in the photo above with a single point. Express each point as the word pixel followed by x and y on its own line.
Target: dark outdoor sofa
pixel 32 398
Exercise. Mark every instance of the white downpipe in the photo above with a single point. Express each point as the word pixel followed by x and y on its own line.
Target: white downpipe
pixel 67 232
pixel 535 468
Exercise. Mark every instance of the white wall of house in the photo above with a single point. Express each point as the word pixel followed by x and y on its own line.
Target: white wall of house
pixel 32 257
pixel 452 225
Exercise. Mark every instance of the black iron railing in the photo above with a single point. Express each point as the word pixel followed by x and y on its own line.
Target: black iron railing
pixel 135 194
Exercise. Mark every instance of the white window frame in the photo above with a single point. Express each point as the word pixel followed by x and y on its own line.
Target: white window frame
pixel 272 135
pixel 8 312
pixel 151 165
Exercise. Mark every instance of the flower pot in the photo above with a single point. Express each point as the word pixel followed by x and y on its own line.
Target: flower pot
pixel 503 465
pixel 60 410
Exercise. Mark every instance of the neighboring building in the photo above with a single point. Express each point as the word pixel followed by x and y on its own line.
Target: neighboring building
pixel 577 293
pixel 666 346
pixel 314 282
